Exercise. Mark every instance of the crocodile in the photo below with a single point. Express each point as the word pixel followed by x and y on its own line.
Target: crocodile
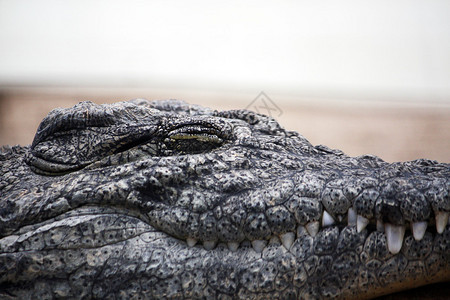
pixel 162 199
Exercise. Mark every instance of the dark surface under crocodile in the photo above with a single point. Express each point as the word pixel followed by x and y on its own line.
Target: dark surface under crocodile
pixel 140 199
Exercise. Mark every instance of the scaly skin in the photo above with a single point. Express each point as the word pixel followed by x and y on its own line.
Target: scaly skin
pixel 140 200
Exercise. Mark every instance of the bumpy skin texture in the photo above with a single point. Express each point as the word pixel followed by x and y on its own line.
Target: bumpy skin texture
pixel 141 200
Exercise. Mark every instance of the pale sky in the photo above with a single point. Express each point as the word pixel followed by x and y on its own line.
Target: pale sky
pixel 391 48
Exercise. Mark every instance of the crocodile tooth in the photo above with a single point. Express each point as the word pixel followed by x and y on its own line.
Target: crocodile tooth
pixel 233 246
pixel 313 228
pixel 209 245
pixel 361 223
pixel 418 229
pixel 287 239
pixel 327 219
pixel 394 236
pixel 191 242
pixel 380 226
pixel 351 217
pixel 441 221
pixel 259 245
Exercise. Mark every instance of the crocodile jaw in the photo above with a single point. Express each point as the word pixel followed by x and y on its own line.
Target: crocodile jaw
pixel 131 250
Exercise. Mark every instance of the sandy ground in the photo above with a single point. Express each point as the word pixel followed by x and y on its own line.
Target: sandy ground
pixel 392 131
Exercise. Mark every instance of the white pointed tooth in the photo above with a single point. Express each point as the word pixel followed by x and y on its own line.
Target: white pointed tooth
pixel 380 226
pixel 351 217
pixel 209 245
pixel 191 242
pixel 361 223
pixel 259 245
pixel 233 246
pixel 287 239
pixel 441 221
pixel 301 231
pixel 394 237
pixel 419 229
pixel 327 219
pixel 312 228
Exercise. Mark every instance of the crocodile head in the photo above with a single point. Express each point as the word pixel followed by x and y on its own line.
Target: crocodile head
pixel 168 200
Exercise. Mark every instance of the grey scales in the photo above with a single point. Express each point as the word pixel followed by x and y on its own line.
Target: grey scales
pixel 166 200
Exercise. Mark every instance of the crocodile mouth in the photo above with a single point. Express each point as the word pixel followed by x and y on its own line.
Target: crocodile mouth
pixel 95 227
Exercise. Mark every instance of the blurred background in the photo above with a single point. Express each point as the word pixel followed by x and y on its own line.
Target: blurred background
pixel 360 76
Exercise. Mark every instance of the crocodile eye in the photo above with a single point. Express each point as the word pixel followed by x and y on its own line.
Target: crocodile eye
pixel 194 138
pixel 68 140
